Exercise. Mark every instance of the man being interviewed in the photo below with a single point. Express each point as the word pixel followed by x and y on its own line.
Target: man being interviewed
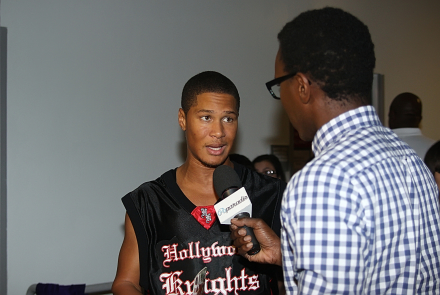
pixel 171 229
pixel 362 217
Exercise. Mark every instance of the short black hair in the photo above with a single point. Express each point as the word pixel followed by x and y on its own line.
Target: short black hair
pixel 204 82
pixel 275 162
pixel 334 48
pixel 405 111
pixel 432 158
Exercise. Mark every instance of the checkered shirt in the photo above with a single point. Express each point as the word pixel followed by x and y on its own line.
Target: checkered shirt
pixel 363 216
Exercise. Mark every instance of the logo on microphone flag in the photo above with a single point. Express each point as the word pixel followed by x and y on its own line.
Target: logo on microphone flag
pixel 232 205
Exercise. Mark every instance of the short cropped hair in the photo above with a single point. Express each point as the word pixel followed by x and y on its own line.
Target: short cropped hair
pixel 432 158
pixel 204 82
pixel 334 48
pixel 405 111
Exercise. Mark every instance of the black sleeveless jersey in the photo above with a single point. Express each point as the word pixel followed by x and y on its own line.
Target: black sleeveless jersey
pixel 174 246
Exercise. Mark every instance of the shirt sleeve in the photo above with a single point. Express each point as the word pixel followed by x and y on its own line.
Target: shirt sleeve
pixel 324 240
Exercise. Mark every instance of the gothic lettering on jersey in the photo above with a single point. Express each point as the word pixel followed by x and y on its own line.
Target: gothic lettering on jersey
pixel 195 251
pixel 173 285
pixel 174 282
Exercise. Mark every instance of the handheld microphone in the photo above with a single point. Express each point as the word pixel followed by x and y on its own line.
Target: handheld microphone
pixel 234 201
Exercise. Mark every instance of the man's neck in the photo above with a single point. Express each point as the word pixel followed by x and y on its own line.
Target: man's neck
pixel 195 181
pixel 330 109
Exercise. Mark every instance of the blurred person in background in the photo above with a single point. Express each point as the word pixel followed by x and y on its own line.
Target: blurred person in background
pixel 404 119
pixel 269 165
pixel 241 159
pixel 432 160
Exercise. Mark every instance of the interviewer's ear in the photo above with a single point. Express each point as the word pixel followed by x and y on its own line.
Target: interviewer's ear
pixel 182 119
pixel 303 87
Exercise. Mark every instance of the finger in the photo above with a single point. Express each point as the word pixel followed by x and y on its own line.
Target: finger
pixel 241 241
pixel 242 232
pixel 244 249
pixel 234 234
pixel 237 222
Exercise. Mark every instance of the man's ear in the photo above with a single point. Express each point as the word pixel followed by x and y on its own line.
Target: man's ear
pixel 182 119
pixel 303 88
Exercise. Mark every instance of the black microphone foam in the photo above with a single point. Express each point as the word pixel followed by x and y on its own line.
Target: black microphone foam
pixel 224 179
pixel 226 182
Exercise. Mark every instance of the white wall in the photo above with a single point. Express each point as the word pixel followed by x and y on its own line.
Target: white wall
pixel 93 93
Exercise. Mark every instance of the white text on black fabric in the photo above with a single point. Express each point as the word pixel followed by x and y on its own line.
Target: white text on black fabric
pixel 194 251
pixel 173 285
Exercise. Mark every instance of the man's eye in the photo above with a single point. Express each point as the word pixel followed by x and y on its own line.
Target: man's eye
pixel 228 119
pixel 206 118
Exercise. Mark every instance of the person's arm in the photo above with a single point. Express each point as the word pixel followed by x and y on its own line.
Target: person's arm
pixel 269 242
pixel 127 276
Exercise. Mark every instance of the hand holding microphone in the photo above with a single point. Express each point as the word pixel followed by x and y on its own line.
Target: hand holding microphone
pixel 270 243
pixel 234 201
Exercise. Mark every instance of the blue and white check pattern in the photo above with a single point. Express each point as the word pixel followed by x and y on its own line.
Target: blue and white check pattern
pixel 363 216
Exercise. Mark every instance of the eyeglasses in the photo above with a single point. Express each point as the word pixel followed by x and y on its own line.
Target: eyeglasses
pixel 269 172
pixel 274 85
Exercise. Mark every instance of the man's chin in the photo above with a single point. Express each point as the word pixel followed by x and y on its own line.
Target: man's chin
pixel 213 165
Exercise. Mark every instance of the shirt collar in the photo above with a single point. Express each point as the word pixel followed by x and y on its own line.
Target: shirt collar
pixel 333 130
pixel 407 131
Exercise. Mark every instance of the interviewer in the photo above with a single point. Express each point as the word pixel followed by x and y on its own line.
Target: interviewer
pixel 362 217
